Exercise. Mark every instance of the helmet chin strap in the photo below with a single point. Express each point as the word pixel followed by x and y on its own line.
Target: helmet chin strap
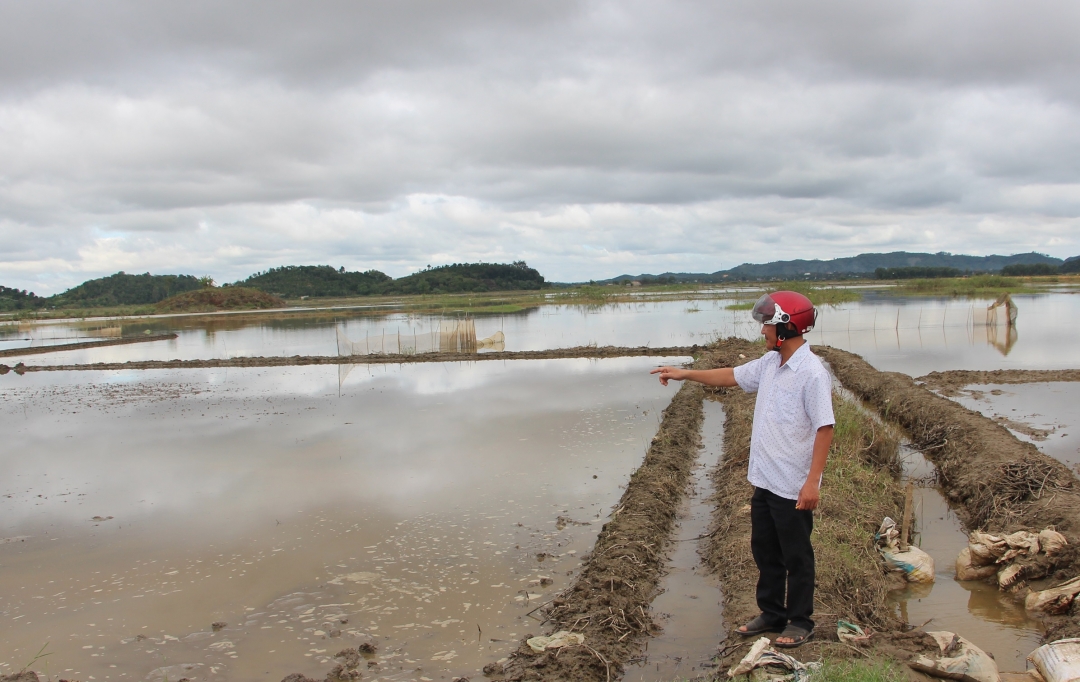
pixel 783 333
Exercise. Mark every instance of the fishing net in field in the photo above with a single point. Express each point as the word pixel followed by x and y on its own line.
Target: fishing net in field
pixel 449 336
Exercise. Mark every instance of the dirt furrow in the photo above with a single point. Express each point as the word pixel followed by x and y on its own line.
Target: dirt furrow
pixel 994 479
pixel 949 382
pixel 609 601
pixel 388 359
pixel 38 350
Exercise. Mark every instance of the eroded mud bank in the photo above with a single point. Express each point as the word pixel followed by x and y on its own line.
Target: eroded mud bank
pixel 948 383
pixel 996 481
pixel 388 359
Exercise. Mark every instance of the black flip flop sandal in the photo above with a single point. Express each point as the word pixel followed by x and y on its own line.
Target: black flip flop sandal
pixel 799 636
pixel 759 625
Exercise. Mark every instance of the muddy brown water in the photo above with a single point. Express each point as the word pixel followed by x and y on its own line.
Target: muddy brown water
pixel 418 509
pixel 689 607
pixel 975 610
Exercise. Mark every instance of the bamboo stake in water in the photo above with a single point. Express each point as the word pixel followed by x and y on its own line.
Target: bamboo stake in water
pixel 908 499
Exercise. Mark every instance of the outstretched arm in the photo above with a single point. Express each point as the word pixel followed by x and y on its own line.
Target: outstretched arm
pixel 723 376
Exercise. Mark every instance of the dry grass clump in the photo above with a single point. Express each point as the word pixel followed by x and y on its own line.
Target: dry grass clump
pixel 225 298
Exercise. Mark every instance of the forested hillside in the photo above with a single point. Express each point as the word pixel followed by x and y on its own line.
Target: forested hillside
pixel 294 281
pixel 19 299
pixel 124 289
pixel 461 277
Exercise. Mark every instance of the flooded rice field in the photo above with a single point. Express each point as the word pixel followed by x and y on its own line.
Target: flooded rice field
pixel 910 335
pixel 1043 414
pixel 424 509
pixel 246 523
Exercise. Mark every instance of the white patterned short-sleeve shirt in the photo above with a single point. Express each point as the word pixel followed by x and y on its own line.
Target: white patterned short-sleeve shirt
pixel 793 402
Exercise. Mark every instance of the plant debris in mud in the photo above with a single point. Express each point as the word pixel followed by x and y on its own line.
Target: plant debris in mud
pixel 950 382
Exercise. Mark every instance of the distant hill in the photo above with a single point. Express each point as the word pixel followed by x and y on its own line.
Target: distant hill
pixel 294 281
pixel 124 289
pixel 1071 265
pixel 863 265
pixel 16 299
pixel 462 277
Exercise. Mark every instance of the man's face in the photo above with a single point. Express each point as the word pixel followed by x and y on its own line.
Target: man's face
pixel 769 332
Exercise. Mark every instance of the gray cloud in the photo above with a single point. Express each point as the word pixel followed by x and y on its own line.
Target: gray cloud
pixel 589 138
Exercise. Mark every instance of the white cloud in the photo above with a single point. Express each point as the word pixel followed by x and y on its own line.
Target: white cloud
pixel 589 139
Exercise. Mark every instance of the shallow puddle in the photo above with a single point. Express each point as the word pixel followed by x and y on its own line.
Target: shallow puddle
pixel 690 607
pixel 974 610
pixel 418 508
pixel 1043 414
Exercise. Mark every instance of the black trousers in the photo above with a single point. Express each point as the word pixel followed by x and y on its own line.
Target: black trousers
pixel 780 542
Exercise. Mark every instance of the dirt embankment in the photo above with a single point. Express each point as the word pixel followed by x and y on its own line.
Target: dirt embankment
pixel 949 382
pixel 996 481
pixel 389 359
pixel 37 350
pixel 859 488
pixel 609 601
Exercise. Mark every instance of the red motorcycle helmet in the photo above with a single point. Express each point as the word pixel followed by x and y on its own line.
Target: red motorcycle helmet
pixel 782 307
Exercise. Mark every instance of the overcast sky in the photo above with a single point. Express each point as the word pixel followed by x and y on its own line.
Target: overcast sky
pixel 590 139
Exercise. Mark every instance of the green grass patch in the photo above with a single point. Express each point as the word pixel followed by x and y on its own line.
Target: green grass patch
pixel 818 295
pixel 860 487
pixel 990 286
pixel 744 305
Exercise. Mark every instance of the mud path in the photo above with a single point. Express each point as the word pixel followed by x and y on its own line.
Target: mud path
pixel 996 481
pixel 949 383
pixel 389 359
pixel 37 350
pixel 609 601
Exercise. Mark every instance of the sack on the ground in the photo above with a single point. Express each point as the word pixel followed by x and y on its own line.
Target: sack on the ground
pixel 1058 661
pixel 1054 600
pixel 916 565
pixel 847 631
pixel 557 641
pixel 960 660
pixel 967 569
pixel 1052 541
pixel 765 664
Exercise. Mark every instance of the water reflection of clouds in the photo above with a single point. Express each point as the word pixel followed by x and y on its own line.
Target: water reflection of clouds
pixel 913 335
pixel 268 443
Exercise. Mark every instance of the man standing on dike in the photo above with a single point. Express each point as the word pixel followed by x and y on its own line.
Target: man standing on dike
pixel 793 429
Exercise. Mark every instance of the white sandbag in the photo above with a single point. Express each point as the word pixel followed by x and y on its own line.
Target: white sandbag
pixel 1054 600
pixel 966 569
pixel 1058 661
pixel 916 565
pixel 1051 541
pixel 960 660
pixel 765 664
